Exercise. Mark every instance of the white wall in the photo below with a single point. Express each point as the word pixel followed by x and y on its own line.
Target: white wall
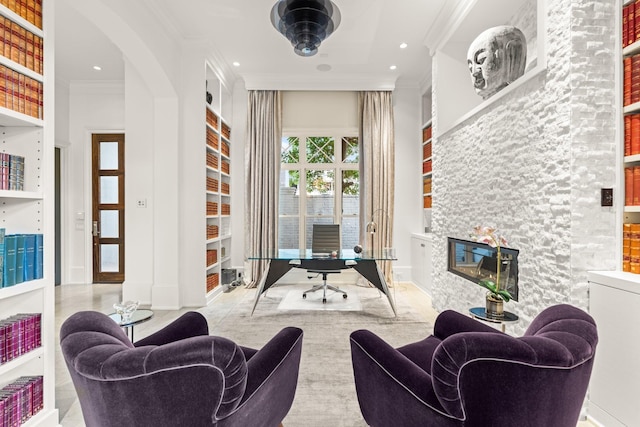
pixel 532 164
pixel 93 108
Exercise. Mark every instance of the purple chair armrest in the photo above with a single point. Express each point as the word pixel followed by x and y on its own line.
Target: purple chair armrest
pixel 272 380
pixel 451 322
pixel 190 324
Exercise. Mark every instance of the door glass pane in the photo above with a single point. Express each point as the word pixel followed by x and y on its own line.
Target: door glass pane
pixel 108 155
pixel 288 233
pixel 350 192
pixel 320 192
pixel 108 189
pixel 109 224
pixel 109 259
pixel 290 149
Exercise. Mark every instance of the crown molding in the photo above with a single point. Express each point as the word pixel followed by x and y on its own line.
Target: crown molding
pixel 451 15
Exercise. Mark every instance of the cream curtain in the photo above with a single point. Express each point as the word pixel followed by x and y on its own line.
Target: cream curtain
pixel 377 172
pixel 262 170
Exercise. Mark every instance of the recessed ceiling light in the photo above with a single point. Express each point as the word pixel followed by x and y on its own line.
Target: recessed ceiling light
pixel 403 45
pixel 393 67
pixel 97 67
pixel 323 67
pixel 236 64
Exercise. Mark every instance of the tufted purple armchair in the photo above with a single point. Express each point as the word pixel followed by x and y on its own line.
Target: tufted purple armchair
pixel 179 376
pixel 470 374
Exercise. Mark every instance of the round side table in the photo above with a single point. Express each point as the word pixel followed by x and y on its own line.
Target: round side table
pixel 480 313
pixel 138 316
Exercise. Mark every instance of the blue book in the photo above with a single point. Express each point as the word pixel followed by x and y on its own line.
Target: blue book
pixel 39 256
pixel 29 272
pixel 19 258
pixel 9 271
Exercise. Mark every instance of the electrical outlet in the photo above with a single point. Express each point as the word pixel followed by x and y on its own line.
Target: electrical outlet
pixel 606 197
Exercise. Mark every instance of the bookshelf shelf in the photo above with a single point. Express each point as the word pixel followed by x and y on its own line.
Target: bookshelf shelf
pixel 36 353
pixel 12 194
pixel 22 288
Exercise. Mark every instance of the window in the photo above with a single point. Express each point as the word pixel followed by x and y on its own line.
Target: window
pixel 319 183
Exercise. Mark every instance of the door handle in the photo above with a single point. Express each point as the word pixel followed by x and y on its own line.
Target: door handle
pixel 96 231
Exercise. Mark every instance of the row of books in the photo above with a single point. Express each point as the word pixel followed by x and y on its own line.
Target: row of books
pixel 631 248
pixel 21 400
pixel 213 280
pixel 427 202
pixel 631 80
pixel 630 24
pixel 426 185
pixel 19 334
pixel 21 45
pixel 212 160
pixel 426 151
pixel 212 139
pixel 21 93
pixel 212 184
pixel 426 134
pixel 212 257
pixel 212 231
pixel 631 134
pixel 29 10
pixel 11 172
pixel 22 256
pixel 426 166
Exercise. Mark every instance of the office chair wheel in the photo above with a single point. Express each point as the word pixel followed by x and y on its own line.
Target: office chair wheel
pixel 324 300
pixel 344 296
pixel 304 296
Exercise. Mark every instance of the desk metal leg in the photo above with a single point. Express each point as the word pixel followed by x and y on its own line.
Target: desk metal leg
pixel 370 271
pixel 276 268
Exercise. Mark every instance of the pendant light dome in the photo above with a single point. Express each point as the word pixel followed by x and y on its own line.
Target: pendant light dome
pixel 305 23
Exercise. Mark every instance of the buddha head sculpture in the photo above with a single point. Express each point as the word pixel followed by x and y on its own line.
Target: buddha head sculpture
pixel 496 58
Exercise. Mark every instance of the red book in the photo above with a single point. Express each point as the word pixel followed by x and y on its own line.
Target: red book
pixel 631 23
pixel 635 79
pixel 627 135
pixel 636 29
pixel 625 26
pixel 635 134
pixel 627 81
pixel 636 186
pixel 628 186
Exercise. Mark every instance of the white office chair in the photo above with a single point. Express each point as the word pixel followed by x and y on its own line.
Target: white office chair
pixel 324 242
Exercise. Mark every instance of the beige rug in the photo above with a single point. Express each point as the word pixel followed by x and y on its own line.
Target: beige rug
pixel 293 300
pixel 326 393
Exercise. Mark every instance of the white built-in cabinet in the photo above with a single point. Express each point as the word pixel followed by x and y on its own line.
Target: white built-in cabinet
pixel 614 303
pixel 218 109
pixel 26 120
pixel 421 269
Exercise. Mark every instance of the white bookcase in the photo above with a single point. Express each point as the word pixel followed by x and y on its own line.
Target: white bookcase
pixel 218 148
pixel 32 211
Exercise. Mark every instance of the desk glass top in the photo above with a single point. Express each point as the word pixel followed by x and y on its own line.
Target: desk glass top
pixel 345 255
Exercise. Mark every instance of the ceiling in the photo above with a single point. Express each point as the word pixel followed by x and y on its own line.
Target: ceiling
pixel 364 47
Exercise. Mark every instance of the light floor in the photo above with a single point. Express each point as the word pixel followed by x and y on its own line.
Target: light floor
pixel 101 297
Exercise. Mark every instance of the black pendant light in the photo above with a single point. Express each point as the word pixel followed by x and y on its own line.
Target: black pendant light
pixel 305 23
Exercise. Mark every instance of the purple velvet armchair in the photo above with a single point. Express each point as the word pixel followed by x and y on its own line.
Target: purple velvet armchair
pixel 470 374
pixel 179 376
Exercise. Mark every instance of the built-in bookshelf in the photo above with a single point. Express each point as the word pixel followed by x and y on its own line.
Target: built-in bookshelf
pixel 630 39
pixel 27 215
pixel 218 183
pixel 427 167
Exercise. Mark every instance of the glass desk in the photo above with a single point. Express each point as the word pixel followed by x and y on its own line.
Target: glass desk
pixel 138 316
pixel 280 261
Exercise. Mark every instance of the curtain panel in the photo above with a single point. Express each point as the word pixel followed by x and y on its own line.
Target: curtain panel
pixel 262 171
pixel 377 171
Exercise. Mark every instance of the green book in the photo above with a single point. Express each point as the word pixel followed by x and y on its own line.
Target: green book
pixel 2 233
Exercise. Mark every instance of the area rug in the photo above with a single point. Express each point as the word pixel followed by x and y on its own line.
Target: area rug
pixel 326 393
